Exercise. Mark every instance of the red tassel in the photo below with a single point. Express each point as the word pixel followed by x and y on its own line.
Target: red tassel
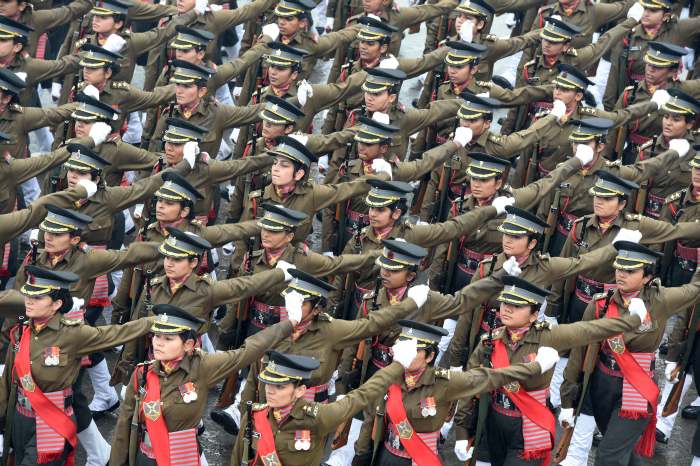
pixel 47 457
pixel 634 414
pixel 645 447
pixel 102 302
pixel 529 455
pixel 4 273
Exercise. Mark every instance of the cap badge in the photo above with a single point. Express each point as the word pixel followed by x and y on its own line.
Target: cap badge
pixel 600 182
pixel 367 27
pixel 268 214
pixel 295 282
pixel 90 54
pixel 167 184
pixel 281 146
pixel 272 366
pixel 658 52
pixel 564 74
pixel 51 217
pixel 578 130
pixel 77 155
pixel 410 331
pixel 172 241
pixel 514 218
pixel 370 78
pixel 364 128
pixel 164 318
pixel 278 53
pixel 390 254
pixel 512 289
pixel 627 253
pixel 481 163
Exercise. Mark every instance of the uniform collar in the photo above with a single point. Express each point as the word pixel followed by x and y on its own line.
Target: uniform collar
pixel 270 192
pixel 53 324
pixel 580 7
pixel 427 378
pixel 185 365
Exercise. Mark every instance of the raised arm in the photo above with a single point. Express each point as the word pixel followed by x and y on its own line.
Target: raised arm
pixel 236 289
pixel 439 306
pixel 529 196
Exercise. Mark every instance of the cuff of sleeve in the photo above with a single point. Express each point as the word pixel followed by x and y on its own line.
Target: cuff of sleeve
pixel 461 433
pixel 287 327
pixel 455 360
pixel 566 403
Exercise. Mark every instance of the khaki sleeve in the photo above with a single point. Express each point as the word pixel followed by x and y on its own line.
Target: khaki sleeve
pixel 227 19
pixel 483 380
pixel 436 111
pixel 416 66
pixel 529 196
pixel 237 289
pixel 218 235
pixel 439 306
pixel 409 171
pixel 41 70
pixel 515 143
pixel 419 14
pixel 35 118
pixel 507 47
pixel 320 265
pixel 104 261
pixel 145 41
pixel 46 20
pixel 591 53
pixel 122 433
pixel 428 236
pixel 561 268
pixel 230 70
pixel 140 100
pixel 642 170
pixel 221 171
pixel 95 339
pixel 521 95
pixel 677 338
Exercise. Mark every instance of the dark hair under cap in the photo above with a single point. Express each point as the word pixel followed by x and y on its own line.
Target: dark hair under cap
pixel 177 188
pixel 279 218
pixel 10 82
pixel 609 185
pixel 287 146
pixel 485 166
pixel 60 220
pixel 571 78
pixel 84 159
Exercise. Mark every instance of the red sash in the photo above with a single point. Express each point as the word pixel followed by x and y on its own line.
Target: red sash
pixel 46 410
pixel 266 443
pixel 533 411
pixel 639 379
pixel 412 443
pixel 155 424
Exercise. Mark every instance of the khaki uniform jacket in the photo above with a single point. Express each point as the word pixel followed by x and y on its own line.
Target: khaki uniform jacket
pixel 503 147
pixel 204 371
pixel 318 419
pixel 673 31
pixel 541 334
pixel 661 303
pixel 540 270
pixel 41 70
pixel 12 305
pixel 45 20
pixel 575 199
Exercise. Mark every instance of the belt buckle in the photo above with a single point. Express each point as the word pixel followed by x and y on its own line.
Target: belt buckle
pixel 653 205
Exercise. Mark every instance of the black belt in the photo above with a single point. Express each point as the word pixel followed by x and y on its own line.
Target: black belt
pixel 320 397
pixel 265 318
pixel 452 195
pixel 24 402
pixel 685 264
pixel 654 206
pixel 504 401
pixel 608 361
pixel 392 438
pixel 565 223
pixel 468 262
pixel 382 356
pixel 588 289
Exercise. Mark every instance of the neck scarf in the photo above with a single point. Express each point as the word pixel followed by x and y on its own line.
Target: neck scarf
pixel 666 141
pixel 101 86
pixel 695 194
pixel 411 377
pixel 588 166
pixel 458 88
pixel 288 39
pixel 279 91
pixel 163 225
pixel 569 8
pixel 299 329
pixel 605 222
pixel 371 63
pixel 188 110
pixel 6 61
pixel 169 366
pixel 273 255
pixel 177 284
pixel 653 87
pixel 281 414
pixel 627 297
pixel 520 260
pixel 377 13
pixel 269 143
pixel 382 233
pixel 367 168
pixel 383 111
pixel 56 258
pixel 549 61
pixel 395 295
pixel 515 335
pixel 79 204
pixel 102 38
pixel 41 323
pixel 284 192
pixel 484 202
pixel 566 116
pixel 651 31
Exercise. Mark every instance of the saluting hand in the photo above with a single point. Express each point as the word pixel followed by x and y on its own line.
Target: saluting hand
pixel 292 303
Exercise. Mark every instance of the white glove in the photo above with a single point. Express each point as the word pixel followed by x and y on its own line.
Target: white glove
pixel 660 97
pixel 628 235
pixel 190 151
pixel 114 43
pixel 228 249
pixel 421 222
pixel 56 91
pixel 511 267
pixel 99 132
pixel 636 12
pixel 414 185
pixel 77 304
pixel 374 17
pixel 331 383
pixel 200 6
pixel 670 367
pixel 305 90
pixel 466 31
pixel 292 303
pixel 323 164
pixel 381 166
pixel 329 23
pixel 285 266
pixel 91 91
pixel 559 109
pixel 682 146
pixel 463 136
pixel 484 94
pixel 300 137
pixel 637 308
pixel 405 351
pixel 34 236
pixel 22 75
pixel 419 294
pixel 390 63
pixel 584 154
pixel 566 414
pixel 272 30
pixel 501 202
pixel 216 7
pixel 547 357
pixel 461 450
pixel 456 369
pixel 556 17
pixel 89 186
pixel 381 117
pixel 138 210
pixel 328 253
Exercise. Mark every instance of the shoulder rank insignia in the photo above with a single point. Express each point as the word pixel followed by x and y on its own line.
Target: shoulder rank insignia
pixel 509 189
pixel 530 63
pixel 484 83
pixel 369 295
pixel 599 296
pixel 442 373
pixel 207 278
pixel 496 139
pixel 441 43
pixel 71 322
pixel 197 222
pixel 81 85
pixel 542 325
pixel 84 247
pixel 656 282
pixel 402 107
pixel 303 248
pixel 573 52
pixel 81 42
pixel 406 225
pixel 257 193
pixel 491 37
pixel 8 157
pixel 206 158
pixel 629 88
pixel 311 409
pixel 326 316
pixel 636 217
pixel 259 406
pixel 16 108
pixel 580 219
pixel 588 110
pixel 544 256
pixel 156 280
pixel 673 197
pixel 614 163
pixel 120 85
pixel 363 231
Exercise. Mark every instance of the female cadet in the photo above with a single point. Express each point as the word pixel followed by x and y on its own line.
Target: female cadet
pixel 166 397
pixel 43 362
pixel 622 393
pixel 519 426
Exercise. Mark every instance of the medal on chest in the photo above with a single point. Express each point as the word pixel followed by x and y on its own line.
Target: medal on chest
pixel 51 355
pixel 427 406
pixel 188 392
pixel 302 440
pixel 646 324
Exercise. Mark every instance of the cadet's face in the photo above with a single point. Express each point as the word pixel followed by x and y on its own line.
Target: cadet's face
pixel 477 125
pixel 281 75
pixel 169 347
pixel 695 174
pixel 462 17
pixel 516 316
pixel 94 76
pixel 283 172
pixel 371 49
pixel 569 96
pixel 7 48
pixel 73 176
pixel 174 152
pixel 288 25
pixel 183 6
pixel 190 55
pixel 41 306
pixel 279 396
pixel 271 130
pixel 275 239
pixel 379 102
pixel 518 246
pixel 652 17
pixel 482 189
pixel 596 149
pixel 629 281
pixel 11 8
pixel 187 94
pixel 59 242
pixel 105 24
pixel 675 126
pixel 607 206
pixel 307 313
pixel 420 362
pixel 177 268
pixel 382 217
pixel 369 152
pixel 460 74
pixel 370 6
pixel 170 211
pixel 656 76
pixel 551 48
pixel 395 278
pixel 82 128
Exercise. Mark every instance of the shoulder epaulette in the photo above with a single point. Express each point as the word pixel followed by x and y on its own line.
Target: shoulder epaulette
pixel 81 42
pixel 264 89
pixel 120 85
pixel 115 140
pixel 656 282
pixel 206 277
pixel 396 161
pixel 310 182
pixel 257 193
pixel 325 316
pixel 613 163
pixel 16 108
pixel 157 279
pixel 491 37
pixel 72 322
pixel 442 42
pixel 311 409
pixel 544 256
pixel 84 247
pixel 532 62
pixel 356 17
pixel 547 7
pixel 495 138
pixel 81 85
pixel 7 157
pixel 345 66
pixel 573 52
pixel 363 232
pixel 259 406
pixel 406 225
pixel 401 107
pixel 629 88
pixel 509 189
pixel 442 373
pixel 206 158
pixel 315 38
pixel 599 296
pixel 636 217
pixel 196 222
pixel 303 248
pixel 542 325
pixel 580 219
pixel 484 83
pixel 646 145
pixel 588 110
pixel 258 252
pixel 369 295
pixel 673 197
pixel 497 333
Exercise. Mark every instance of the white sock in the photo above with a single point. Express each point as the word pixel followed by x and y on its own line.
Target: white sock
pixel 581 442
pixel 134 129
pixel 45 138
pixel 449 325
pixel 105 396
pixel 512 72
pixel 557 379
pixel 97 448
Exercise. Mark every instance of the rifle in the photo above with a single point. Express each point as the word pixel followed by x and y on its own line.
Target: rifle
pixel 624 66
pixel 476 325
pixel 522 111
pixel 484 398
pixel 35 251
pixel 588 367
pixel 247 434
pixel 340 214
pixel 342 106
pixel 442 30
pixel 11 401
pixel 568 284
pixel 378 433
pixel 674 397
pixel 145 307
pixel 164 49
pixel 227 395
pixel 532 168
pixel 256 85
pixel 671 245
pixel 644 187
pixel 350 283
pixel 453 250
pixel 552 218
pixel 124 318
pixel 154 202
pixel 167 82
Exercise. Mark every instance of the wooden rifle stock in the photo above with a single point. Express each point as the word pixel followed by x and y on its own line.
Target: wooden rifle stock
pixel 564 444
pixel 419 200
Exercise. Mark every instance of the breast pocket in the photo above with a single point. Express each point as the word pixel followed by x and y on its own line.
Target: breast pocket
pixel 100 229
pixel 62 360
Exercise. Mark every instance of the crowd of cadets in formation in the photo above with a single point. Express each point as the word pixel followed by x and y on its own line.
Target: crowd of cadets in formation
pixel 556 251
